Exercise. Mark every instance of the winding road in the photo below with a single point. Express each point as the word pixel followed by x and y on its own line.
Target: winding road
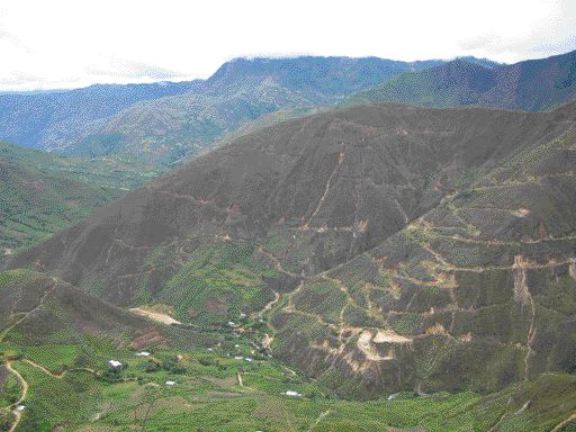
pixel 24 386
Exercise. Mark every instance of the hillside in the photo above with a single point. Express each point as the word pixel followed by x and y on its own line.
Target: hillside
pixel 40 310
pixel 371 239
pixel 533 85
pixel 239 93
pixel 43 193
pixel 162 123
pixel 56 342
pixel 52 120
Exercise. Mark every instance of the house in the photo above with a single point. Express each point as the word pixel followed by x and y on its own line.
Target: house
pixel 142 354
pixel 170 383
pixel 114 364
pixel 293 393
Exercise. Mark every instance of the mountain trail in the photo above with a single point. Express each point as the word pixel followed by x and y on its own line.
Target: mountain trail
pixel 22 398
pixel 27 314
pixel 276 262
pixel 523 296
pixel 319 419
pixel 341 157
pixel 564 423
pixel 57 375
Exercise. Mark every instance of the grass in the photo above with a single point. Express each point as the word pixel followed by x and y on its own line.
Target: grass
pixel 42 193
pixel 217 284
pixel 207 396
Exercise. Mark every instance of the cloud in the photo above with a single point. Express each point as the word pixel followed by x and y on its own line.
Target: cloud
pixel 67 43
pixel 123 69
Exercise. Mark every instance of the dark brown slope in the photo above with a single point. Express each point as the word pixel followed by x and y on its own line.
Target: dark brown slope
pixel 351 178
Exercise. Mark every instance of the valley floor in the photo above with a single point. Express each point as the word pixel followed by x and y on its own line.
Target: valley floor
pixel 230 388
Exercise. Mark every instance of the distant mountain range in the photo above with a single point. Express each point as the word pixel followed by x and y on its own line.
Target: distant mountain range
pixel 533 85
pixel 167 121
pixel 54 120
pixel 164 123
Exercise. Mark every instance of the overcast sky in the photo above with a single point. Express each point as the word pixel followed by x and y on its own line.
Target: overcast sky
pixel 74 43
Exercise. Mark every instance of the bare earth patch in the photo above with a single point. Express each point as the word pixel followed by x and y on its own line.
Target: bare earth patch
pixel 154 315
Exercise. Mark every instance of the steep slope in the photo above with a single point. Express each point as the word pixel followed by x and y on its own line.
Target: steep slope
pixel 479 292
pixel 40 310
pixel 532 85
pixel 456 83
pixel 51 120
pixel 41 194
pixel 372 237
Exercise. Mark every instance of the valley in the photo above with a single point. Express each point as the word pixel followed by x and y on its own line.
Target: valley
pixel 42 193
pixel 225 385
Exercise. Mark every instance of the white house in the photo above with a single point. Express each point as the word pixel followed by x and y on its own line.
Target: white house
pixel 114 364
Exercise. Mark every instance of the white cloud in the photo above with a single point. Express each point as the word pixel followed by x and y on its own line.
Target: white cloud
pixel 70 43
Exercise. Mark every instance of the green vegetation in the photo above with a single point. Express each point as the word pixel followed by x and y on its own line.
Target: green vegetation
pixel 218 284
pixel 213 391
pixel 42 193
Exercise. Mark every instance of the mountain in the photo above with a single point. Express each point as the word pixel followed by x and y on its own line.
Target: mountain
pixel 240 92
pixel 52 120
pixel 490 64
pixel 42 193
pixel 37 309
pixel 165 122
pixel 386 247
pixel 533 85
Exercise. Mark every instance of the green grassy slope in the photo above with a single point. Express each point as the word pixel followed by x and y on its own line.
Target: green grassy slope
pixel 208 397
pixel 60 375
pixel 42 193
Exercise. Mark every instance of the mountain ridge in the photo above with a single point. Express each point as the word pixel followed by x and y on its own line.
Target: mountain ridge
pixel 90 121
pixel 532 85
